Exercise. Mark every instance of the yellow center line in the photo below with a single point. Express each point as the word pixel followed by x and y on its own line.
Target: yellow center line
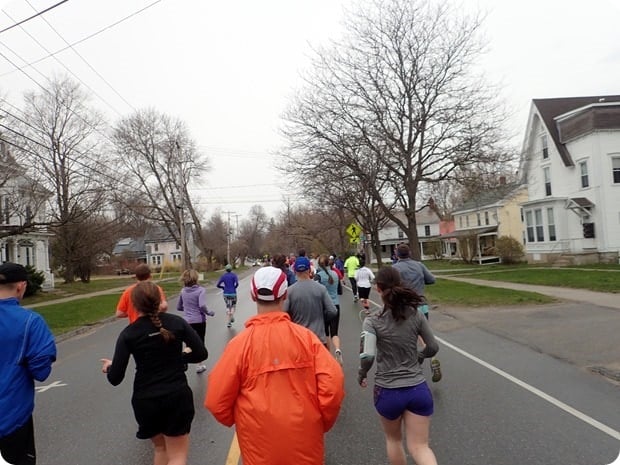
pixel 233 453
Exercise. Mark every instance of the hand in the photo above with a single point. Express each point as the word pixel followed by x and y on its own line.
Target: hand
pixel 363 382
pixel 107 363
pixel 210 313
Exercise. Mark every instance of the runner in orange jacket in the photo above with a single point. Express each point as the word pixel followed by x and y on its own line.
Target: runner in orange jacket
pixel 277 383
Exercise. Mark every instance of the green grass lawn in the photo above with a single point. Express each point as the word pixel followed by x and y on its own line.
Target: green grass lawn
pixel 66 316
pixel 602 280
pixel 445 292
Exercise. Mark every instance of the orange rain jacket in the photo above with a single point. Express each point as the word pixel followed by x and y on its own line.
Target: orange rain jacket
pixel 281 387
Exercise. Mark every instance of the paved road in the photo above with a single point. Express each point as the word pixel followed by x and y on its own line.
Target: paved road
pixel 502 401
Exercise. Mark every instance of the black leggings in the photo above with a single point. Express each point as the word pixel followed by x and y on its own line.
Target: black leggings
pixel 18 447
pixel 353 282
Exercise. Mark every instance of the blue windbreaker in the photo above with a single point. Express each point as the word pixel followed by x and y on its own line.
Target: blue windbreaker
pixel 28 351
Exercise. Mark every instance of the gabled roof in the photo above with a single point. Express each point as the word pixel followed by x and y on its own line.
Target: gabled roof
pixel 550 108
pixel 489 197
pixel 158 233
pixel 129 246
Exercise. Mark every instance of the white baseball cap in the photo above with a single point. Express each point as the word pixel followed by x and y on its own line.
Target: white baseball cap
pixel 268 283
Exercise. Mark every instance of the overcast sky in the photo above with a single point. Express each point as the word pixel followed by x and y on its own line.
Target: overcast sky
pixel 228 67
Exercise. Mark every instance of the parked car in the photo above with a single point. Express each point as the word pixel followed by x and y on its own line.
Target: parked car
pixel 123 271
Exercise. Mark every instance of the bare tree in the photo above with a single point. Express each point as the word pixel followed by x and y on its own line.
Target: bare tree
pixel 161 160
pixel 59 138
pixel 396 101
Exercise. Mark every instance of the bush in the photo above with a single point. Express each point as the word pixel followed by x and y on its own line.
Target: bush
pixel 509 249
pixel 35 280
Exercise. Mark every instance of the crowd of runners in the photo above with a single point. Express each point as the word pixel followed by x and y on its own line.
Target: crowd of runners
pixel 279 377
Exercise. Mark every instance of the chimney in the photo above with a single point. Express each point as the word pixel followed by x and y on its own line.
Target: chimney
pixel 502 180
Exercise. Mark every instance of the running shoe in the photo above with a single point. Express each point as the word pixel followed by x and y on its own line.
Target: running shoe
pixel 201 368
pixel 232 319
pixel 436 367
pixel 338 354
pixel 355 298
pixel 229 325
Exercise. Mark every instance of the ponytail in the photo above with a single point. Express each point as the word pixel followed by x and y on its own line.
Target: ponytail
pixel 397 299
pixel 146 298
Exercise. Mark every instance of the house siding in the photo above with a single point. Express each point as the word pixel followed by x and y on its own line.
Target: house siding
pixel 587 143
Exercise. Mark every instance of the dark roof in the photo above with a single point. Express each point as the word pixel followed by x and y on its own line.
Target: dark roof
pixel 487 197
pixel 549 108
pixel 129 246
pixel 158 233
pixel 582 202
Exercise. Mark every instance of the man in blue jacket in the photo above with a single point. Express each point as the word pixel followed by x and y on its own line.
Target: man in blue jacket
pixel 28 351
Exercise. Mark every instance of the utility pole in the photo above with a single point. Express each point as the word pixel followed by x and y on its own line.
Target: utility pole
pixel 182 238
pixel 228 237
pixel 236 226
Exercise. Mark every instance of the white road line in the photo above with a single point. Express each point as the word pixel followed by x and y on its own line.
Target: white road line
pixel 552 400
pixel 44 388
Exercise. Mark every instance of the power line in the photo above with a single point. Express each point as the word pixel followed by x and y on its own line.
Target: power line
pixel 85 38
pixel 33 16
pixel 84 60
pixel 59 62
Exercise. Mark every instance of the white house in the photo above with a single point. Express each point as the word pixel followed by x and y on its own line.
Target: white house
pixel 571 159
pixel 22 204
pixel 428 227
pixel 162 250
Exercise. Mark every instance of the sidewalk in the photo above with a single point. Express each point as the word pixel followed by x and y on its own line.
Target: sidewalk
pixel 602 299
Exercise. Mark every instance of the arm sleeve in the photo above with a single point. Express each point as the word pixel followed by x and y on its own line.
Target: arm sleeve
pixel 224 385
pixel 122 305
pixel 41 350
pixel 330 383
pixel 428 337
pixel 180 302
pixel 202 301
pixel 199 351
pixel 236 282
pixel 366 363
pixel 116 372
pixel 428 276
pixel 220 284
pixel 329 309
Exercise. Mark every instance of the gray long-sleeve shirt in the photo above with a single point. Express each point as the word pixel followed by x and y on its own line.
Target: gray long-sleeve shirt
pixel 397 348
pixel 414 274
pixel 309 305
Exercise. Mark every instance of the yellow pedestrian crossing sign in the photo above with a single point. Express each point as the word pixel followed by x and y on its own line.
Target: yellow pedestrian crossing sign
pixel 354 231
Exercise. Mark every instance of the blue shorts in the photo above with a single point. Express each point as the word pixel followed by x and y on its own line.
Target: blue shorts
pixel 391 403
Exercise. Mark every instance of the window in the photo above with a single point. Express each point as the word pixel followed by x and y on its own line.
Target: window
pixel 427 230
pixel 615 168
pixel 7 213
pixel 486 218
pixel 156 247
pixel 545 148
pixel 460 222
pixel 478 219
pixel 467 221
pixel 401 234
pixel 529 226
pixel 551 224
pixel 547 174
pixel 583 170
pixel 28 218
pixel 156 260
pixel 176 257
pixel 538 220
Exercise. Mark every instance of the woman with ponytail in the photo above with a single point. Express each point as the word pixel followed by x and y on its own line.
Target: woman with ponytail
pixel 162 400
pixel 401 395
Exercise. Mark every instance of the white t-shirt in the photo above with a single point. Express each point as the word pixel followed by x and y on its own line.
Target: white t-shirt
pixel 364 277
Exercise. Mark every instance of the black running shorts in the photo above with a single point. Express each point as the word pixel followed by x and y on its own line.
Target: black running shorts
pixel 170 415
